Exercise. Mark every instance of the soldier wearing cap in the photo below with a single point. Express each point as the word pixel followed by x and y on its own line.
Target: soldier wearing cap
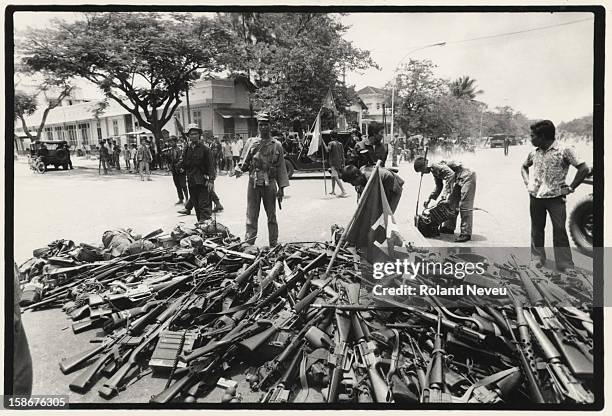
pixel 200 171
pixel 263 157
pixel 459 185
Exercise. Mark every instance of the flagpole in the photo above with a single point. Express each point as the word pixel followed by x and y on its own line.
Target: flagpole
pixel 350 223
pixel 323 155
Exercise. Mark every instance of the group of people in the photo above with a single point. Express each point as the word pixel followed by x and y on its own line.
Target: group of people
pixel 544 174
pixel 194 170
pixel 137 158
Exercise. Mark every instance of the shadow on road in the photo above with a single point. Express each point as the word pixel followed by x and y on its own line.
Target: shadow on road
pixel 92 173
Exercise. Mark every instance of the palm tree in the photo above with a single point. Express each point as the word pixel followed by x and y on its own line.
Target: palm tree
pixel 464 87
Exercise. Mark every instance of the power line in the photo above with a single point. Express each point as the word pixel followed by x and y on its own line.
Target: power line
pixel 498 35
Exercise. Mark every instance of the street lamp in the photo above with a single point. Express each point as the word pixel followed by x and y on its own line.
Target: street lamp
pixel 395 78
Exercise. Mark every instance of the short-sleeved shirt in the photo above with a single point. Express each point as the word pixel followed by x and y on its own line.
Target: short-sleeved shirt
pixel 550 166
pixel 444 172
pixel 237 147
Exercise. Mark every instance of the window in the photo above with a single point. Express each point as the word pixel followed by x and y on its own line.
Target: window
pixel 72 135
pixel 197 118
pixel 115 128
pixel 49 131
pixel 378 106
pixel 228 126
pixel 84 128
pixel 99 130
pixel 58 133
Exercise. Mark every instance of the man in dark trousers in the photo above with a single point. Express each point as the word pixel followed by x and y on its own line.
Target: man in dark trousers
pixel 200 172
pixel 263 157
pixel 103 157
pixel 459 184
pixel 547 190
pixel 506 145
pixel 178 171
pixel 392 183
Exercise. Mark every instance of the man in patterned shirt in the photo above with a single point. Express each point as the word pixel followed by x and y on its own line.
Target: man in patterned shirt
pixel 547 190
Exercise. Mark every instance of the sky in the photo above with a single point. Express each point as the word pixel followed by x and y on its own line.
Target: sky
pixel 545 72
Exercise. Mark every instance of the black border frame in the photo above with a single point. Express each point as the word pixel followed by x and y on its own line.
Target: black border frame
pixel 598 192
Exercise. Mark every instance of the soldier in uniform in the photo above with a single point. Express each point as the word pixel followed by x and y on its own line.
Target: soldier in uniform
pixel 200 171
pixel 459 183
pixel 263 158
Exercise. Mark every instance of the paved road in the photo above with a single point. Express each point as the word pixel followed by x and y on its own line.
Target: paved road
pixel 81 205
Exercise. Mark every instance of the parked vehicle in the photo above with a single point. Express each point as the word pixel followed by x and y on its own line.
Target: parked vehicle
pixel 580 222
pixel 497 140
pixel 297 158
pixel 53 153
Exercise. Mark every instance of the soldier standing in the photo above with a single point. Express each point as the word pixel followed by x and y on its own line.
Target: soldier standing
pixel 263 158
pixel 200 171
pixel 178 171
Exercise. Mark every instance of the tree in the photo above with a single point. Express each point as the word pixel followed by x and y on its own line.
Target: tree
pixel 582 126
pixel 53 89
pixel 294 58
pixel 464 87
pixel 143 61
pixel 416 92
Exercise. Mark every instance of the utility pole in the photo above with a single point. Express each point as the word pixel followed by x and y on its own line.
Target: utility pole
pixel 188 108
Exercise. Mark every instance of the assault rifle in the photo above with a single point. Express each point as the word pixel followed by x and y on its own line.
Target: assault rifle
pixel 563 381
pixel 435 388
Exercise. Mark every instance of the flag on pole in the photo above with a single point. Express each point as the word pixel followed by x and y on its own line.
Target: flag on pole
pixel 315 142
pixel 328 102
pixel 374 229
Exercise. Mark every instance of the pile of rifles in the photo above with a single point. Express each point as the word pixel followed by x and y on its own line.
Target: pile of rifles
pixel 297 320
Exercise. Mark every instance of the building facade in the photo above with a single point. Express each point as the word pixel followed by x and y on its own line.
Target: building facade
pixel 378 108
pixel 221 107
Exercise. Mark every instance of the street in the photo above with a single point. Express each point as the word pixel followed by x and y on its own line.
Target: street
pixel 80 205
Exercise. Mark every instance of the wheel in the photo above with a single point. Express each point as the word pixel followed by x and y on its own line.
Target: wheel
pixel 61 154
pixel 290 168
pixel 56 167
pixel 580 224
pixel 40 167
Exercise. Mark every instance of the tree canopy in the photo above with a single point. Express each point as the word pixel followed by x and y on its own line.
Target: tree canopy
pixel 428 105
pixel 53 88
pixel 143 61
pixel 294 59
pixel 582 126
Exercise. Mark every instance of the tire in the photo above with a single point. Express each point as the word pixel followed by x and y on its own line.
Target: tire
pixel 580 224
pixel 61 154
pixel 290 168
pixel 40 167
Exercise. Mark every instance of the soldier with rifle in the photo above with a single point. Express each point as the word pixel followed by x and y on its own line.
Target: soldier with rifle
pixel 263 157
pixel 200 171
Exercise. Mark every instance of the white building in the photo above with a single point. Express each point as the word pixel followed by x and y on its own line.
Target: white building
pixel 221 107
